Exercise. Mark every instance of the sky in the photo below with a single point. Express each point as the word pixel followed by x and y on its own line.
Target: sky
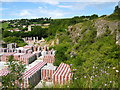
pixel 15 9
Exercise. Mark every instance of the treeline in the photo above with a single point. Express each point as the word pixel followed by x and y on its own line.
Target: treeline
pixel 19 23
pixel 29 21
pixel 16 37
pixel 56 25
pixel 37 31
pixel 115 15
pixel 60 25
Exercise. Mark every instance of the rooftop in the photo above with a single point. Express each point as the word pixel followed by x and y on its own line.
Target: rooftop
pixel 33 70
pixel 2 65
pixel 19 53
pixel 33 64
pixel 8 54
pixel 27 55
pixel 50 66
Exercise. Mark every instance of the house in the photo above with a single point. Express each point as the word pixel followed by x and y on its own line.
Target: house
pixel 62 75
pixel 24 26
pixel 49 58
pixel 32 76
pixel 28 47
pixel 5 56
pixel 2 65
pixel 3 72
pixel 28 58
pixel 21 50
pixel 37 53
pixel 1 55
pixel 2 50
pixel 47 72
pixel 18 55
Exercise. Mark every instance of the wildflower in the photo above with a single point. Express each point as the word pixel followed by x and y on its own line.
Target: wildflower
pixel 75 78
pixel 91 79
pixel 93 67
pixel 117 71
pixel 84 76
pixel 110 81
pixel 103 71
pixel 108 67
pixel 107 73
pixel 75 69
pixel 70 78
pixel 68 86
pixel 96 75
pixel 92 76
pixel 96 67
pixel 105 84
pixel 12 83
pixel 71 64
pixel 113 67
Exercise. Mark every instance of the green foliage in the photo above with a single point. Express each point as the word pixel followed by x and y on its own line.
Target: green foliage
pixel 13 39
pixel 16 69
pixel 37 31
pixel 115 15
pixel 103 16
pixel 60 54
pixel 57 26
pixel 93 58
pixel 17 40
pixel 61 25
pixel 94 16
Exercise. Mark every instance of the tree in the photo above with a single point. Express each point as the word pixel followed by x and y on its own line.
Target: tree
pixel 20 42
pixel 60 54
pixel 117 10
pixel 16 69
pixel 94 16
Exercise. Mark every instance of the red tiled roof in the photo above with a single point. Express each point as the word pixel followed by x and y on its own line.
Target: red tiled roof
pixel 34 69
pixel 4 72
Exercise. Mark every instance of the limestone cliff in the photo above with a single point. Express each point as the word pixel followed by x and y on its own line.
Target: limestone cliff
pixel 101 26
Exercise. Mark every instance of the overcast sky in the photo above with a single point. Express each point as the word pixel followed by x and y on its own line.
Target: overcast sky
pixel 15 9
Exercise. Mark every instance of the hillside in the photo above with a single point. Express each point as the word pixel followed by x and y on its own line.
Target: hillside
pixel 92 48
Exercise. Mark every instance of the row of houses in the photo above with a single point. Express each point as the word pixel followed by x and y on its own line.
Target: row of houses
pixel 28 58
pixel 37 70
pixel 43 71
pixel 24 49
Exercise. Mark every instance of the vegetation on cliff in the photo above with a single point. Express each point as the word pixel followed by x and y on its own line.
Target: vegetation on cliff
pixel 92 53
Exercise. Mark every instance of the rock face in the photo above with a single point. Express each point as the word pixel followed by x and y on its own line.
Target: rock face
pixel 118 38
pixel 113 26
pixel 101 26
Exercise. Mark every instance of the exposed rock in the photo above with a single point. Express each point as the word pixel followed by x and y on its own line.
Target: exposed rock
pixel 103 25
pixel 118 38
